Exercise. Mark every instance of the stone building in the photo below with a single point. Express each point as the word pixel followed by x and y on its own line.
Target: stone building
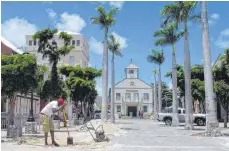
pixel 133 94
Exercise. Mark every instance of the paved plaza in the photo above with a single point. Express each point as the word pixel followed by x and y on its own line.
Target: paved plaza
pixel 145 135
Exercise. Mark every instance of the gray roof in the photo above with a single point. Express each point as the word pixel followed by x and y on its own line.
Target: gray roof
pixel 131 66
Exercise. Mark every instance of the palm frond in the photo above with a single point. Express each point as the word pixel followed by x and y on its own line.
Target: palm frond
pixel 170 13
pixel 180 34
pixel 195 18
pixel 160 32
pixel 112 38
pixel 154 70
pixel 157 57
pixel 152 59
pixel 168 74
pixel 166 9
pixel 173 26
pixel 113 12
pixel 100 9
pixel 118 53
pixel 162 42
pixel 114 46
pixel 95 20
pixel 154 52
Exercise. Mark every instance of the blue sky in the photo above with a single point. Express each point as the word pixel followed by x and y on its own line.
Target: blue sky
pixel 136 22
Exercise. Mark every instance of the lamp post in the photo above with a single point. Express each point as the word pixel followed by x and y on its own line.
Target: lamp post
pixel 31 117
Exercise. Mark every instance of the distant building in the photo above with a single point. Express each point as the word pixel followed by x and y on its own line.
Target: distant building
pixel 8 48
pixel 78 56
pixel 132 94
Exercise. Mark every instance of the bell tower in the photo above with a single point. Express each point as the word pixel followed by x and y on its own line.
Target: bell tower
pixel 132 71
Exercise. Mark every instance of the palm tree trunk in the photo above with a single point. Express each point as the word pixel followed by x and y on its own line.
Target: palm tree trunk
pixel 175 121
pixel 104 78
pixel 113 88
pixel 155 97
pixel 187 73
pixel 159 90
pixel 211 116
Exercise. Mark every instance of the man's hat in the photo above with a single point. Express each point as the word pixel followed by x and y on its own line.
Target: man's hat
pixel 61 101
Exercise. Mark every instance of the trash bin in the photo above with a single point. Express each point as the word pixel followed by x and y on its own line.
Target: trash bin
pixel 56 124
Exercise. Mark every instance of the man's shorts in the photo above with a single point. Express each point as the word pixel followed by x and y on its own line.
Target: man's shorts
pixel 47 123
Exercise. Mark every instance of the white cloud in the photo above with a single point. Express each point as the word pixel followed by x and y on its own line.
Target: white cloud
pixel 71 22
pixel 118 4
pixel 213 18
pixel 225 32
pixel 15 30
pixel 51 13
pixel 223 39
pixel 96 46
pixel 121 40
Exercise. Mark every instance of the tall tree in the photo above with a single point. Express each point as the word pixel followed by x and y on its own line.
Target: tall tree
pixel 197 82
pixel 155 93
pixel 181 12
pixel 180 79
pixel 166 95
pixel 221 84
pixel 157 57
pixel 169 36
pixel 114 47
pixel 50 48
pixel 81 83
pixel 212 122
pixel 19 76
pixel 105 20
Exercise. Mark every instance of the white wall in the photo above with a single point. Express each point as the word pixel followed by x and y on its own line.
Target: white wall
pixel 134 75
pixel 80 52
pixel 139 87
pixel 22 105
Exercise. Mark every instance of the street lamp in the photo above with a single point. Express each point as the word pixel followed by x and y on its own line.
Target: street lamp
pixel 31 117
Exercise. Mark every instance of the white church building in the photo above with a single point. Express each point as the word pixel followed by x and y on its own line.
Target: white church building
pixel 133 94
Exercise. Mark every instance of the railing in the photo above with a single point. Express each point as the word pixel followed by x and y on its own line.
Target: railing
pixel 19 120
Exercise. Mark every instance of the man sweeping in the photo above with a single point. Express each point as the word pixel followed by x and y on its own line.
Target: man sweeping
pixel 46 113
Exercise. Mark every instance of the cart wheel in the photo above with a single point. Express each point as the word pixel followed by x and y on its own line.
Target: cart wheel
pixel 100 136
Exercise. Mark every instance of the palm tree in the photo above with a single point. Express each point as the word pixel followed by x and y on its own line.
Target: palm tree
pixel 181 12
pixel 169 36
pixel 105 20
pixel 212 122
pixel 157 57
pixel 155 93
pixel 114 47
